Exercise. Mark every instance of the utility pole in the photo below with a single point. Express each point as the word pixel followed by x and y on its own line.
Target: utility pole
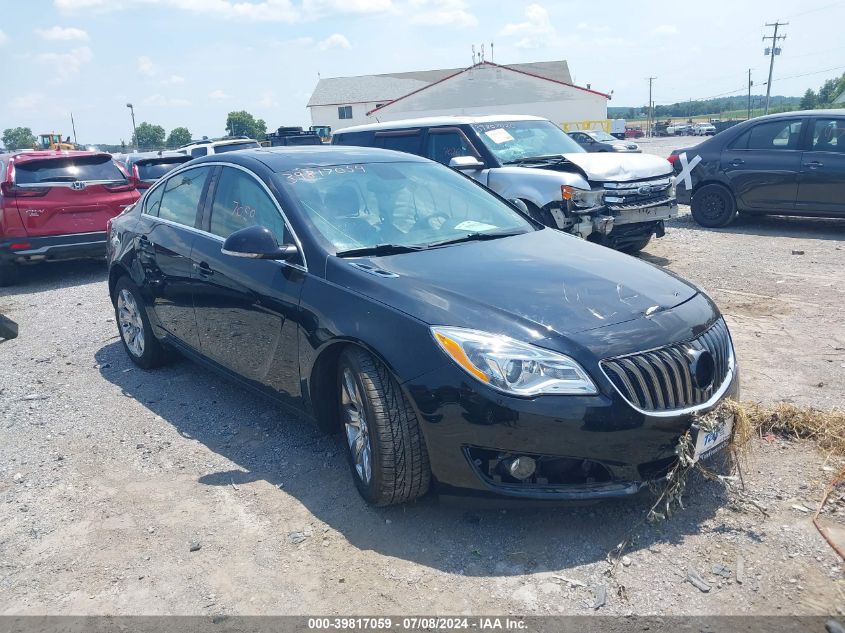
pixel 750 83
pixel 73 125
pixel 134 129
pixel 650 107
pixel 775 50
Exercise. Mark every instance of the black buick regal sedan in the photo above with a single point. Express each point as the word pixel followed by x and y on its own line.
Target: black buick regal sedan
pixel 453 341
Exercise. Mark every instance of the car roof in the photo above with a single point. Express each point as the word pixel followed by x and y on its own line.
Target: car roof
pixel 21 157
pixel 137 156
pixel 279 159
pixel 439 120
pixel 218 142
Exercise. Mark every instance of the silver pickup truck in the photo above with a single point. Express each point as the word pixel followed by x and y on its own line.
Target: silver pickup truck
pixel 617 200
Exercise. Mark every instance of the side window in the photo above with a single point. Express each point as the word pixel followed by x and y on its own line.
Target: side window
pixel 774 135
pixel 240 201
pixel 153 202
pixel 405 142
pixel 181 196
pixel 829 135
pixel 199 151
pixel 344 112
pixel 444 146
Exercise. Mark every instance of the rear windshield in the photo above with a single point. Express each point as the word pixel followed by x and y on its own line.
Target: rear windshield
pixel 67 169
pixel 152 170
pixel 232 147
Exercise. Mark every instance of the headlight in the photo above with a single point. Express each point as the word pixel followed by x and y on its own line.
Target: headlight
pixel 512 366
pixel 585 198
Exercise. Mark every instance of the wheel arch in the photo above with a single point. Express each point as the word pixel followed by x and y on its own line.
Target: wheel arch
pixel 116 272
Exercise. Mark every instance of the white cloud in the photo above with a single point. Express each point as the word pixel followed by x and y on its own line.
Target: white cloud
pixel 29 101
pixel 666 29
pixel 66 65
pixel 173 80
pixel 167 102
pixel 442 13
pixel 146 66
pixel 537 30
pixel 592 28
pixel 248 11
pixel 62 34
pixel 335 40
pixel 3 38
pixel 268 101
pixel 218 95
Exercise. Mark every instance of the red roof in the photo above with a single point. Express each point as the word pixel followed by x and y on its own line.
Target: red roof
pixel 486 63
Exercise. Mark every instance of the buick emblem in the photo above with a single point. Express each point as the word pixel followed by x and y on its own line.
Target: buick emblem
pixel 702 368
pixel 77 185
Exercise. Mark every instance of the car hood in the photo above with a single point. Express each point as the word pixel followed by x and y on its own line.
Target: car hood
pixel 608 167
pixel 530 286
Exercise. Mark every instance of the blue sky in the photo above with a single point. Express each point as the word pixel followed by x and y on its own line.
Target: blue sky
pixel 189 62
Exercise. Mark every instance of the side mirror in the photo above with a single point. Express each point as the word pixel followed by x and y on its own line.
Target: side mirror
pixel 257 242
pixel 519 204
pixel 465 163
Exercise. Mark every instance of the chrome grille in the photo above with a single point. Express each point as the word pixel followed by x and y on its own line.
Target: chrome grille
pixel 638 194
pixel 661 379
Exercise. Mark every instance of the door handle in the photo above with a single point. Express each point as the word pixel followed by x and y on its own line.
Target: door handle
pixel 813 164
pixel 736 162
pixel 203 269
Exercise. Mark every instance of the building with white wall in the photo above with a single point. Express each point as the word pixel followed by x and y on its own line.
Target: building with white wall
pixel 541 89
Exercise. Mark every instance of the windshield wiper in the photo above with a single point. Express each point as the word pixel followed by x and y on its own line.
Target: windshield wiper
pixel 379 249
pixel 476 237
pixel 536 159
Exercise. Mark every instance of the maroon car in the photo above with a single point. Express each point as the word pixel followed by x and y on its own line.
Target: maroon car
pixel 54 205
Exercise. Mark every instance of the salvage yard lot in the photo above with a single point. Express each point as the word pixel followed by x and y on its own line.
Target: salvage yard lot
pixel 110 475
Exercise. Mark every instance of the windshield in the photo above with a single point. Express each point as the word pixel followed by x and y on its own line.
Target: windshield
pixel 233 147
pixel 602 136
pixel 68 169
pixel 513 140
pixel 404 204
pixel 154 169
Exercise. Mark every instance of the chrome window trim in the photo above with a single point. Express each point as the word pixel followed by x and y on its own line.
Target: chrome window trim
pixel 303 267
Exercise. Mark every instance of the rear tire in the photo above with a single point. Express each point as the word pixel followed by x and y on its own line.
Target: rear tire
pixel 386 449
pixel 713 206
pixel 133 324
pixel 8 274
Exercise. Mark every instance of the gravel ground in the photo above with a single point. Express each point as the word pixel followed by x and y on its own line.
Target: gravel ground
pixel 176 492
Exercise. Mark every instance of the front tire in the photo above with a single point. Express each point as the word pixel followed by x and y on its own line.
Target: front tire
pixel 386 449
pixel 713 206
pixel 635 247
pixel 136 333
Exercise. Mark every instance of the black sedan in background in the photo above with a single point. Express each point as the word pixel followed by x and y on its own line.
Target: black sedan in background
pixel 598 141
pixel 144 168
pixel 449 337
pixel 782 164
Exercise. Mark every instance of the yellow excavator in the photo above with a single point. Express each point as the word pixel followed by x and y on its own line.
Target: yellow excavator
pixel 53 141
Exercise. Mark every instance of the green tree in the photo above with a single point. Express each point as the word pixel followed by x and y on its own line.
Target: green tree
pixel 827 92
pixel 148 136
pixel 18 138
pixel 244 124
pixel 809 101
pixel 178 136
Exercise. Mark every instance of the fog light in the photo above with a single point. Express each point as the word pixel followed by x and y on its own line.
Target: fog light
pixel 522 467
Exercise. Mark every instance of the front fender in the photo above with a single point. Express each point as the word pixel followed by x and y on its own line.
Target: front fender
pixel 538 186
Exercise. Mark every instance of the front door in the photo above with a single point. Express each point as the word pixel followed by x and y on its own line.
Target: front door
pixel 165 236
pixel 246 308
pixel 821 185
pixel 762 166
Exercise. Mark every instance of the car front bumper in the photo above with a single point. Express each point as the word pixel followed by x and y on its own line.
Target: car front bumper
pixel 28 250
pixel 617 448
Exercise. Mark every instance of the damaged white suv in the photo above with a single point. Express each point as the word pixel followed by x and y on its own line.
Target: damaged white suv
pixel 617 200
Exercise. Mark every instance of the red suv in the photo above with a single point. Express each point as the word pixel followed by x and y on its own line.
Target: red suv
pixel 54 205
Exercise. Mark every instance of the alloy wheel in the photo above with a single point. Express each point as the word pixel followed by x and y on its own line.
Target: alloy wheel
pixel 357 430
pixel 130 322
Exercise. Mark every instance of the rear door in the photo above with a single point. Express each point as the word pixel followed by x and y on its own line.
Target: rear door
pixel 70 194
pixel 763 163
pixel 821 187
pixel 165 234
pixel 246 308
